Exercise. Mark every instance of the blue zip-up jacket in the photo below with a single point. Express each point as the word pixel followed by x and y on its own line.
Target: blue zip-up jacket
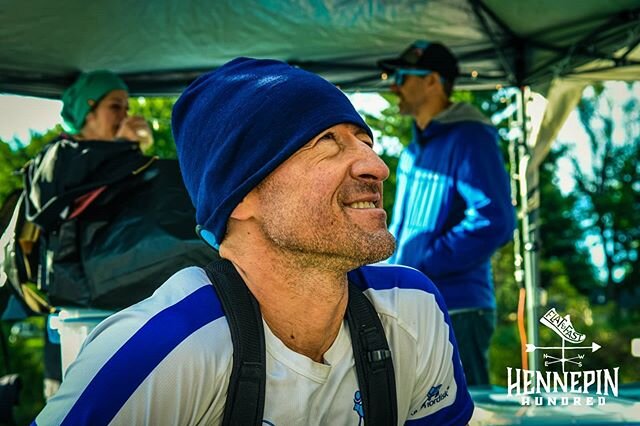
pixel 453 206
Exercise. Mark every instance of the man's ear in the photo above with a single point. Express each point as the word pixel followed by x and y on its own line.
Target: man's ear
pixel 246 209
pixel 434 78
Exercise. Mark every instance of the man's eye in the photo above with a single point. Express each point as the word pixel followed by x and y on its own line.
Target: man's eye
pixel 369 142
pixel 328 136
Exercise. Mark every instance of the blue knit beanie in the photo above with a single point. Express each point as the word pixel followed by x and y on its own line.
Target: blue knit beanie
pixel 237 124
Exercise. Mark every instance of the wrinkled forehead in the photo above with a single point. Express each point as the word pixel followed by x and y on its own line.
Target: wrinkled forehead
pixel 354 129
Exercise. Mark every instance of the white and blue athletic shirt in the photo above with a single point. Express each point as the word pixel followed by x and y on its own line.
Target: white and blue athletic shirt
pixel 167 361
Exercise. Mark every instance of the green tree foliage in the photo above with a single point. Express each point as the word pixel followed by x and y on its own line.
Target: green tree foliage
pixel 26 359
pixel 608 190
pixel 505 345
pixel 15 154
pixel 605 205
pixel 157 111
pixel 560 233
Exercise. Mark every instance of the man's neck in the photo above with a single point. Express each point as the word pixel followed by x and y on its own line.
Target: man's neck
pixel 430 110
pixel 303 306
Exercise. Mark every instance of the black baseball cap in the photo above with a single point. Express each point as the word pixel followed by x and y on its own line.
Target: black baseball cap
pixel 423 55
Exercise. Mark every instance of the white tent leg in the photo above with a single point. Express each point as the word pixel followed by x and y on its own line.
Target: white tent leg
pixel 529 209
pixel 526 239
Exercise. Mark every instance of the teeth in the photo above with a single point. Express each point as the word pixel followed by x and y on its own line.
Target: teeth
pixel 363 205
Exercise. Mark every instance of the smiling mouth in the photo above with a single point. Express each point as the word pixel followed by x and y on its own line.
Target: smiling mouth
pixel 362 205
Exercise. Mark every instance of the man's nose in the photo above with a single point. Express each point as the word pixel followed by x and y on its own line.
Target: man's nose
pixel 369 166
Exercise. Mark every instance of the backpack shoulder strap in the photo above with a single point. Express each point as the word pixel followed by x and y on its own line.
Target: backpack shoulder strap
pixel 245 396
pixel 246 392
pixel 372 356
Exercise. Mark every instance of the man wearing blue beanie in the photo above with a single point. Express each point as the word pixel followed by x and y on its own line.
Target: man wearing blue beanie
pixel 281 170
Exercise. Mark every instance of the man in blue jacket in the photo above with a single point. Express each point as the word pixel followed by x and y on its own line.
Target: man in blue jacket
pixel 453 206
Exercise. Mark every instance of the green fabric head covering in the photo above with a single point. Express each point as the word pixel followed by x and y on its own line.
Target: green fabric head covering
pixel 89 86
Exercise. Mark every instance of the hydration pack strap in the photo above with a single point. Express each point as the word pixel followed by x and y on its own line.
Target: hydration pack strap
pixel 246 392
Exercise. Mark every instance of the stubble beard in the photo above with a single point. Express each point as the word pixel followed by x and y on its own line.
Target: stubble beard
pixel 324 244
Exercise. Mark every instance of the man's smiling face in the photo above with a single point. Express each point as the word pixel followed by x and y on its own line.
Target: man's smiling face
pixel 325 201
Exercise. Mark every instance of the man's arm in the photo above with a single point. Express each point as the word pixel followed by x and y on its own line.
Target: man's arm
pixel 488 220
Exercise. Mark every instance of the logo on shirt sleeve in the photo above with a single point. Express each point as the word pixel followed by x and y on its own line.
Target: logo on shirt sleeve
pixel 434 396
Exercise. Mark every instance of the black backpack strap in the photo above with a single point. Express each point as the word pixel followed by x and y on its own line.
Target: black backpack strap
pixel 374 365
pixel 246 392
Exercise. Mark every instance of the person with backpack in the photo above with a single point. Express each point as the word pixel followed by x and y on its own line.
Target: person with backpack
pixel 295 325
pixel 71 171
pixel 95 110
pixel 82 234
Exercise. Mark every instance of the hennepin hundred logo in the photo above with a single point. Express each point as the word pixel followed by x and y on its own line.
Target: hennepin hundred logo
pixel 567 387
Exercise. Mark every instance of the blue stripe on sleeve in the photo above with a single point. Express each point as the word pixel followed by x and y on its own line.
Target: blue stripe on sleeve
pixel 117 380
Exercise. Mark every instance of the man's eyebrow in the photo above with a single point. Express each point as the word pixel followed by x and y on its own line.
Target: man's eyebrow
pixel 358 130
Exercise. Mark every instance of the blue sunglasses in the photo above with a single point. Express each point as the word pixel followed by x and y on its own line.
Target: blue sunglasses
pixel 400 75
